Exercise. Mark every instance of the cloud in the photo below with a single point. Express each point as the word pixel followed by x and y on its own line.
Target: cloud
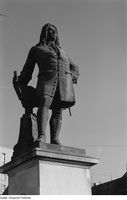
pixel 3 15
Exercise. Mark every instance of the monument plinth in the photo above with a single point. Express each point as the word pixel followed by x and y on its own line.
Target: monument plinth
pixel 50 170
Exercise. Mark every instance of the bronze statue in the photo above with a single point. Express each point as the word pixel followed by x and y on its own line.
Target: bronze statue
pixel 54 90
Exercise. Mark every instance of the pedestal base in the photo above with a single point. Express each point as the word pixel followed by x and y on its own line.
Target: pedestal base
pixel 51 170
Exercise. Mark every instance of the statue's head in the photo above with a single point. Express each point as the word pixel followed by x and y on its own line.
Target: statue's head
pixel 45 32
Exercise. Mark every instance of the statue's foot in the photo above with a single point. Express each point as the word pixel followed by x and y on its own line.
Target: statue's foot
pixel 56 142
pixel 40 141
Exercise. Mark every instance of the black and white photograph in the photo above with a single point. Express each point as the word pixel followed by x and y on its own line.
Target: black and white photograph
pixel 63 98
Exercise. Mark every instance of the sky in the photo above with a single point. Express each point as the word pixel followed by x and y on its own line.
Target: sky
pixel 93 33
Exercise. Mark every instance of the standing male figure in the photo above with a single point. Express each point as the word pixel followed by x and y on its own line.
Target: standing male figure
pixel 57 73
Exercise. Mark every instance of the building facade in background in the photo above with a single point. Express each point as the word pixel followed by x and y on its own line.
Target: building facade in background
pixel 114 187
pixel 5 156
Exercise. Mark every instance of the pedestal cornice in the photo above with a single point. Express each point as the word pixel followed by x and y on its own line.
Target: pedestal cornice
pixel 53 153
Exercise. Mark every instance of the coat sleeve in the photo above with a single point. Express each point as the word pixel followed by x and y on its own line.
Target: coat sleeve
pixel 75 71
pixel 26 73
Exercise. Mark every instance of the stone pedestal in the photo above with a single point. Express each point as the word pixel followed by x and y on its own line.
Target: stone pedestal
pixel 50 170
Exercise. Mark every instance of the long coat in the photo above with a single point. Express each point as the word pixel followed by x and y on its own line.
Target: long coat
pixel 53 70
